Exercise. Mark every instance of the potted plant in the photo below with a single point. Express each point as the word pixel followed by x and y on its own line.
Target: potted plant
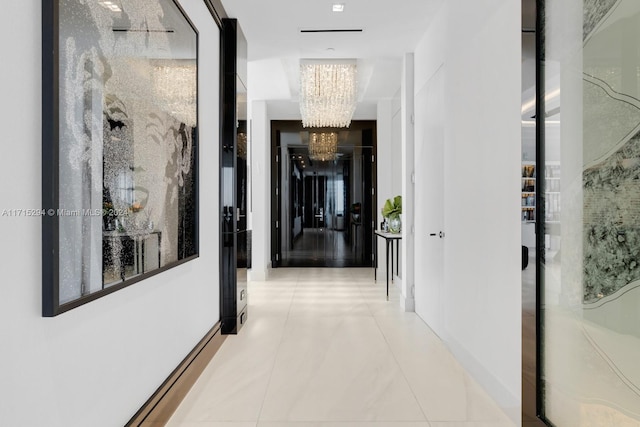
pixel 355 211
pixel 391 212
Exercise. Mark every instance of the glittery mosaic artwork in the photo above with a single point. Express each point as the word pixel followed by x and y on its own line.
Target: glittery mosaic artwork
pixel 612 222
pixel 127 143
pixel 584 362
pixel 594 11
pixel 611 155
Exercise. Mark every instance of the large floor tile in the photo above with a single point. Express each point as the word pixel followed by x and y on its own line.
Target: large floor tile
pixel 344 424
pixel 338 369
pixel 211 424
pixel 233 385
pixel 444 390
pixel 317 301
pixel 285 274
pixel 473 424
pixel 269 301
pixel 325 348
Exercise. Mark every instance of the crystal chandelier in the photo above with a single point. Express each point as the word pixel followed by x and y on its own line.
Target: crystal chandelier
pixel 323 146
pixel 175 87
pixel 327 94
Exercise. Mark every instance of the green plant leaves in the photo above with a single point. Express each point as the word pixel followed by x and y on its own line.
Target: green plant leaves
pixel 397 203
pixel 392 209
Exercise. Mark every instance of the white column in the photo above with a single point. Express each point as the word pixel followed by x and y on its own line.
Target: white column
pixel 260 216
pixel 407 178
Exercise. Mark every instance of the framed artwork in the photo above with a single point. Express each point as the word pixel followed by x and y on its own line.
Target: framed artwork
pixel 119 145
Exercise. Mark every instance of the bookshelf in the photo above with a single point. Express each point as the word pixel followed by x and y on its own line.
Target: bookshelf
pixel 528 192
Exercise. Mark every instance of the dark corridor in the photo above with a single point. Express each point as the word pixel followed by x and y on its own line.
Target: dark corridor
pixel 324 207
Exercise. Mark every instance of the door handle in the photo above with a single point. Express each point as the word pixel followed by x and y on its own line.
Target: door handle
pixel 432 234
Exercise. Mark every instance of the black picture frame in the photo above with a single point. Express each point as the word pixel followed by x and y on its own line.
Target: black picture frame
pixel 169 97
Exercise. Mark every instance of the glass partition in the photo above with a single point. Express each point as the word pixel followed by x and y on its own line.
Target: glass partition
pixel 589 212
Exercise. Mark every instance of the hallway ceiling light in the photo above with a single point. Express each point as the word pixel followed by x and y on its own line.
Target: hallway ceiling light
pixel 111 6
pixel 327 94
pixel 323 146
pixel 338 7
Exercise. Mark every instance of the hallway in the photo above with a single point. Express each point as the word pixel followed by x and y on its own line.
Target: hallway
pixel 324 348
pixel 320 247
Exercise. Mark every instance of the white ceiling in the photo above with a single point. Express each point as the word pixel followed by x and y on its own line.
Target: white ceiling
pixel 276 45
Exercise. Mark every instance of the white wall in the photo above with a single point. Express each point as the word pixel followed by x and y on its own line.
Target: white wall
pixel 97 364
pixel 396 146
pixel 479 43
pixel 407 186
pixel 395 171
pixel 384 169
pixel 261 187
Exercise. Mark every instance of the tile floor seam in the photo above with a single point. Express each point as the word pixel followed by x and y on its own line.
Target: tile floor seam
pixel 366 300
pixel 404 375
pixel 413 393
pixel 275 358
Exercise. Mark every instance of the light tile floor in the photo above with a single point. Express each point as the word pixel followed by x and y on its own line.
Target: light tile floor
pixel 323 348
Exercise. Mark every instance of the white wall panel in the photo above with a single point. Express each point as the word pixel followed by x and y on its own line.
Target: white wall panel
pixel 97 364
pixel 479 45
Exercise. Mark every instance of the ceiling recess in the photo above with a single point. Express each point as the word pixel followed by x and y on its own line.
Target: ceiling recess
pixel 344 30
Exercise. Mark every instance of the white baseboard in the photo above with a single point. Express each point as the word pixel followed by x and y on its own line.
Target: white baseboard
pixel 407 303
pixel 259 274
pixel 397 281
pixel 508 402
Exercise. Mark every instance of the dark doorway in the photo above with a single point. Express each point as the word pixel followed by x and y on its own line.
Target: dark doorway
pixel 323 208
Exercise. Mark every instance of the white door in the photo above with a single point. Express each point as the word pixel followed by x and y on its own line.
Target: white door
pixel 429 199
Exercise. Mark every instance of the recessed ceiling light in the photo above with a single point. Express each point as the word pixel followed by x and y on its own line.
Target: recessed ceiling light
pixel 110 5
pixel 338 7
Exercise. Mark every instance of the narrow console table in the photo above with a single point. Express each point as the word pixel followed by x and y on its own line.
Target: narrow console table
pixel 389 239
pixel 138 252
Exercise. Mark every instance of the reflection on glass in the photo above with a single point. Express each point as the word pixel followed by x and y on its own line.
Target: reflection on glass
pixel 127 143
pixel 591 281
pixel 323 200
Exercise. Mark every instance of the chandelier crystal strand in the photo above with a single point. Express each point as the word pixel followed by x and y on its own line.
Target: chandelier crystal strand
pixel 327 94
pixel 323 146
pixel 175 87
